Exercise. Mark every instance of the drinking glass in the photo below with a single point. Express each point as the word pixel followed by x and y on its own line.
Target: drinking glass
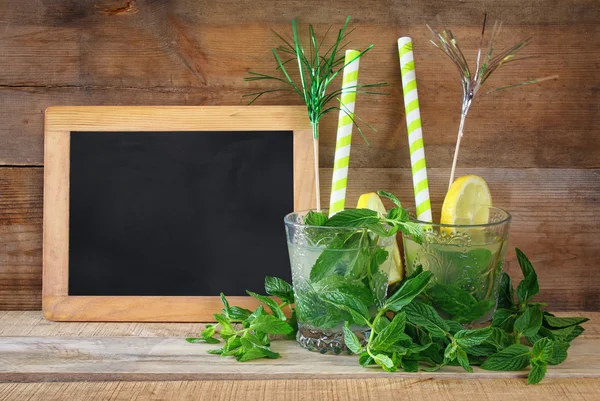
pixel 327 262
pixel 466 261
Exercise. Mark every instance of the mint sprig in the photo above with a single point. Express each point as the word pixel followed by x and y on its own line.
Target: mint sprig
pixel 245 333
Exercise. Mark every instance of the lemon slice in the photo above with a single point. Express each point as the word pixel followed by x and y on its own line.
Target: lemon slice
pixel 467 202
pixel 373 201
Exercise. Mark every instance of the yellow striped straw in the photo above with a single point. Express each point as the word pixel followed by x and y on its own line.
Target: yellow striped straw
pixel 344 134
pixel 413 128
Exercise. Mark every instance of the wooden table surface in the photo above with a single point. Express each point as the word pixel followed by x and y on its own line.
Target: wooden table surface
pixel 41 360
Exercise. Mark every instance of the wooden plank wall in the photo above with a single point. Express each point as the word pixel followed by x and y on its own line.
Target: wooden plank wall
pixel 537 146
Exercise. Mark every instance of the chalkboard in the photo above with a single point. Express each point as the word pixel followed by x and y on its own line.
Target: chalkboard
pixel 178 213
pixel 150 212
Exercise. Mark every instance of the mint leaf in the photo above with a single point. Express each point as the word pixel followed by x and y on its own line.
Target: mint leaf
pixel 559 353
pixel 413 229
pixel 529 287
pixel 409 365
pixel 208 340
pixel 353 287
pixel 381 229
pixel 543 349
pixel 408 291
pixel 538 371
pixel 515 357
pixel 226 329
pixel 378 285
pixel 398 214
pixel 385 362
pixel 270 303
pixel 567 334
pixel 237 352
pixel 332 256
pixel 391 197
pixel 327 321
pixel 499 338
pixel 317 219
pixel 257 353
pixel 559 334
pixel 478 310
pixel 425 316
pixel 560 322
pixel 575 333
pixel 218 351
pixel 390 334
pixel 357 218
pixel 458 303
pixel 450 352
pixel 270 324
pixel 233 347
pixel 365 359
pixel 484 349
pixel 238 314
pixel 249 340
pixel 463 359
pixel 351 340
pixel 226 309
pixel 454 326
pixel 529 322
pixel 504 319
pixel 258 312
pixel 506 297
pixel 381 323
pixel 208 333
pixel 279 288
pixel 469 338
pixel 357 309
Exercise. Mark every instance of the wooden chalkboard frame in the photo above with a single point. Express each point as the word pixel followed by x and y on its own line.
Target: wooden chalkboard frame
pixel 60 121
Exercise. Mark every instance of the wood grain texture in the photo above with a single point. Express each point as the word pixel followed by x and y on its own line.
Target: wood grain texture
pixel 384 389
pixel 99 358
pixel 63 121
pixel 136 358
pixel 556 222
pixel 21 238
pixel 187 52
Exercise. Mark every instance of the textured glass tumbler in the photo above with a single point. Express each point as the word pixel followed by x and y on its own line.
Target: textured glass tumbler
pixel 328 263
pixel 467 262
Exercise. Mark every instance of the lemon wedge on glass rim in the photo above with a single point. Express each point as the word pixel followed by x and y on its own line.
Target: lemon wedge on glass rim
pixel 373 201
pixel 467 202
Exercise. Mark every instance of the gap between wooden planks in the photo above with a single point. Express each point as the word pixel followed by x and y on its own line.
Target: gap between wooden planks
pixel 414 389
pixel 33 350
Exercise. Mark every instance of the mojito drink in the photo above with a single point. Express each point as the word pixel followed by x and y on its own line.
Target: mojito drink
pixel 467 271
pixel 332 262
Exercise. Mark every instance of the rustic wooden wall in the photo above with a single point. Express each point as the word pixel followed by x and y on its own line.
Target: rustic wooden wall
pixel 537 146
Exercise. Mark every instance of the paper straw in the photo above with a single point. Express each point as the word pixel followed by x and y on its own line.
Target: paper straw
pixel 344 134
pixel 413 128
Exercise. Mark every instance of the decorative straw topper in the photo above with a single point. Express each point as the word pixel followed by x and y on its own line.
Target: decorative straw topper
pixel 471 81
pixel 316 72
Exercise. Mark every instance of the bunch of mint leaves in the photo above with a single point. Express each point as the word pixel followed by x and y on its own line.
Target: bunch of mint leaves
pixel 405 331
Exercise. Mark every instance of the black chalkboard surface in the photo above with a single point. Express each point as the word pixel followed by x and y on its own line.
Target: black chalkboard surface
pixel 178 213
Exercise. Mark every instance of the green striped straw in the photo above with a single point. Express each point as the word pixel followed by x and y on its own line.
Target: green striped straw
pixel 339 181
pixel 413 128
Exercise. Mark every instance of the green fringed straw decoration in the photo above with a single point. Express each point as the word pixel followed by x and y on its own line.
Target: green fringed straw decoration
pixel 317 68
